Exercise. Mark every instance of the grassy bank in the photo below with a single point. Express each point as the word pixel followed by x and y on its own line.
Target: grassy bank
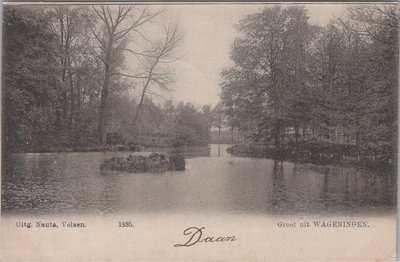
pixel 322 154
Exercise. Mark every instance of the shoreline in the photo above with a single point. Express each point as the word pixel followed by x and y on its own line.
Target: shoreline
pixel 250 151
pixel 246 151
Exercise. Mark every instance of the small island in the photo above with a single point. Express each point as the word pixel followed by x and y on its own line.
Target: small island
pixel 155 163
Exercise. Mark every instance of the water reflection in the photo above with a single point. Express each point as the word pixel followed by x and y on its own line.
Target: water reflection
pixel 278 195
pixel 212 182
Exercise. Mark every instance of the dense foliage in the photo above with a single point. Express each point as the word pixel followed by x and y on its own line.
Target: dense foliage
pixel 67 86
pixel 30 83
pixel 293 82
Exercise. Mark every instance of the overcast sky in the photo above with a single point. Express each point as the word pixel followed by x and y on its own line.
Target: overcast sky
pixel 209 32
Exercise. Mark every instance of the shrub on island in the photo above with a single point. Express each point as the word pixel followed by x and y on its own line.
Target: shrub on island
pixel 154 163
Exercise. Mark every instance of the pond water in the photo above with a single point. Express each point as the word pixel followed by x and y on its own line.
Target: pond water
pixel 214 182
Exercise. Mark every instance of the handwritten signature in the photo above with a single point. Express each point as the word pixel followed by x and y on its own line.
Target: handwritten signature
pixel 195 236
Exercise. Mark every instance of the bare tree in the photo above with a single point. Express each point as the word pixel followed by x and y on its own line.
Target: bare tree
pixel 162 53
pixel 116 29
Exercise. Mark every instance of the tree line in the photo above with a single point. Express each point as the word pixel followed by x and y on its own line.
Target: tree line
pixel 80 76
pixel 299 88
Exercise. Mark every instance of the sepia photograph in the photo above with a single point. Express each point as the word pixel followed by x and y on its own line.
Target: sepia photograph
pixel 217 131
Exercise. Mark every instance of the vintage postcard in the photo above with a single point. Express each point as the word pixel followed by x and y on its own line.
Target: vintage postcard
pixel 199 131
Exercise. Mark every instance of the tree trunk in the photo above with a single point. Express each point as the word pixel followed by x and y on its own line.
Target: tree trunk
pixel 282 144
pixel 277 141
pixel 103 107
pixel 296 137
pixel 102 124
pixel 64 100
pixel 77 115
pixel 144 91
pixel 219 134
pixel 72 102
